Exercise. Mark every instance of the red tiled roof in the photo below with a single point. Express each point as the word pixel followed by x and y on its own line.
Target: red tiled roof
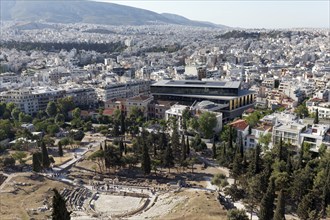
pixel 239 124
pixel 108 112
pixel 315 100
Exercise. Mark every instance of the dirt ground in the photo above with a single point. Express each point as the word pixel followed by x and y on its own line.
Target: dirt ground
pixel 184 205
pixel 199 205
pixel 17 201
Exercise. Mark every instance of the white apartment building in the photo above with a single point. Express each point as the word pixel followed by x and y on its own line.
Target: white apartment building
pixel 315 135
pixel 323 107
pixel 141 102
pixel 289 132
pixel 268 83
pixel 124 90
pixel 176 112
pixel 32 100
pixel 252 140
pixel 82 97
pixel 280 117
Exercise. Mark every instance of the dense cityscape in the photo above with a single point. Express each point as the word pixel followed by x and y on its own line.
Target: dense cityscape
pixel 163 121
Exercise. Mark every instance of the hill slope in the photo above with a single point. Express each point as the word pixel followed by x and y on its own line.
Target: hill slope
pixel 84 11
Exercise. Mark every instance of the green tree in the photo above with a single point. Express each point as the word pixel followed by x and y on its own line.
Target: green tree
pixel 253 118
pixel 316 119
pixel 2 108
pixel 301 111
pixel 175 142
pixel 193 123
pixel 6 130
pixel 183 148
pixel 23 118
pixel 307 205
pixel 45 156
pixel 36 162
pixel 265 140
pixel 15 113
pixel 60 149
pixel 192 161
pixel 76 113
pixel 146 162
pixel 214 150
pixel 10 106
pixel 255 163
pixel 280 207
pixel 60 211
pixel 302 182
pixel 19 155
pixel 237 167
pixel 188 146
pixel 51 109
pixel 65 105
pixel 98 158
pixel 59 119
pixel 235 192
pixel 52 129
pixel 186 115
pixel 207 122
pixel 122 123
pixel 8 161
pixel 237 214
pixel 168 160
pixel 267 203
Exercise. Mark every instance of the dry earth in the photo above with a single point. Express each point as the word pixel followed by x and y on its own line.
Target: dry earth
pixel 17 200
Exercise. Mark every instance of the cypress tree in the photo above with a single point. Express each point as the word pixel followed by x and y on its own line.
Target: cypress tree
pixel 257 159
pixel 60 149
pixel 163 141
pixel 316 119
pixel 146 163
pixel 168 160
pixel 280 207
pixel 175 141
pixel 125 148
pixel 267 203
pixel 224 152
pixel 121 147
pixel 306 205
pixel 254 166
pixel 59 208
pixel 214 149
pixel 301 156
pixel 237 167
pixel 325 198
pixel 230 139
pixel 154 146
pixel 241 145
pixel 183 148
pixel 289 164
pixel 122 123
pixel 188 147
pixel 45 156
pixel 280 150
pixel 36 162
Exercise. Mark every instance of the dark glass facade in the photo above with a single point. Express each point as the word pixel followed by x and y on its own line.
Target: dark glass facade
pixel 195 90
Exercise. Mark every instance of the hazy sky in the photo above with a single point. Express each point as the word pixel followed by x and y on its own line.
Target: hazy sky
pixel 245 13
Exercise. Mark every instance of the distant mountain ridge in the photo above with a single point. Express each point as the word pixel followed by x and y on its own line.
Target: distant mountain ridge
pixel 85 11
